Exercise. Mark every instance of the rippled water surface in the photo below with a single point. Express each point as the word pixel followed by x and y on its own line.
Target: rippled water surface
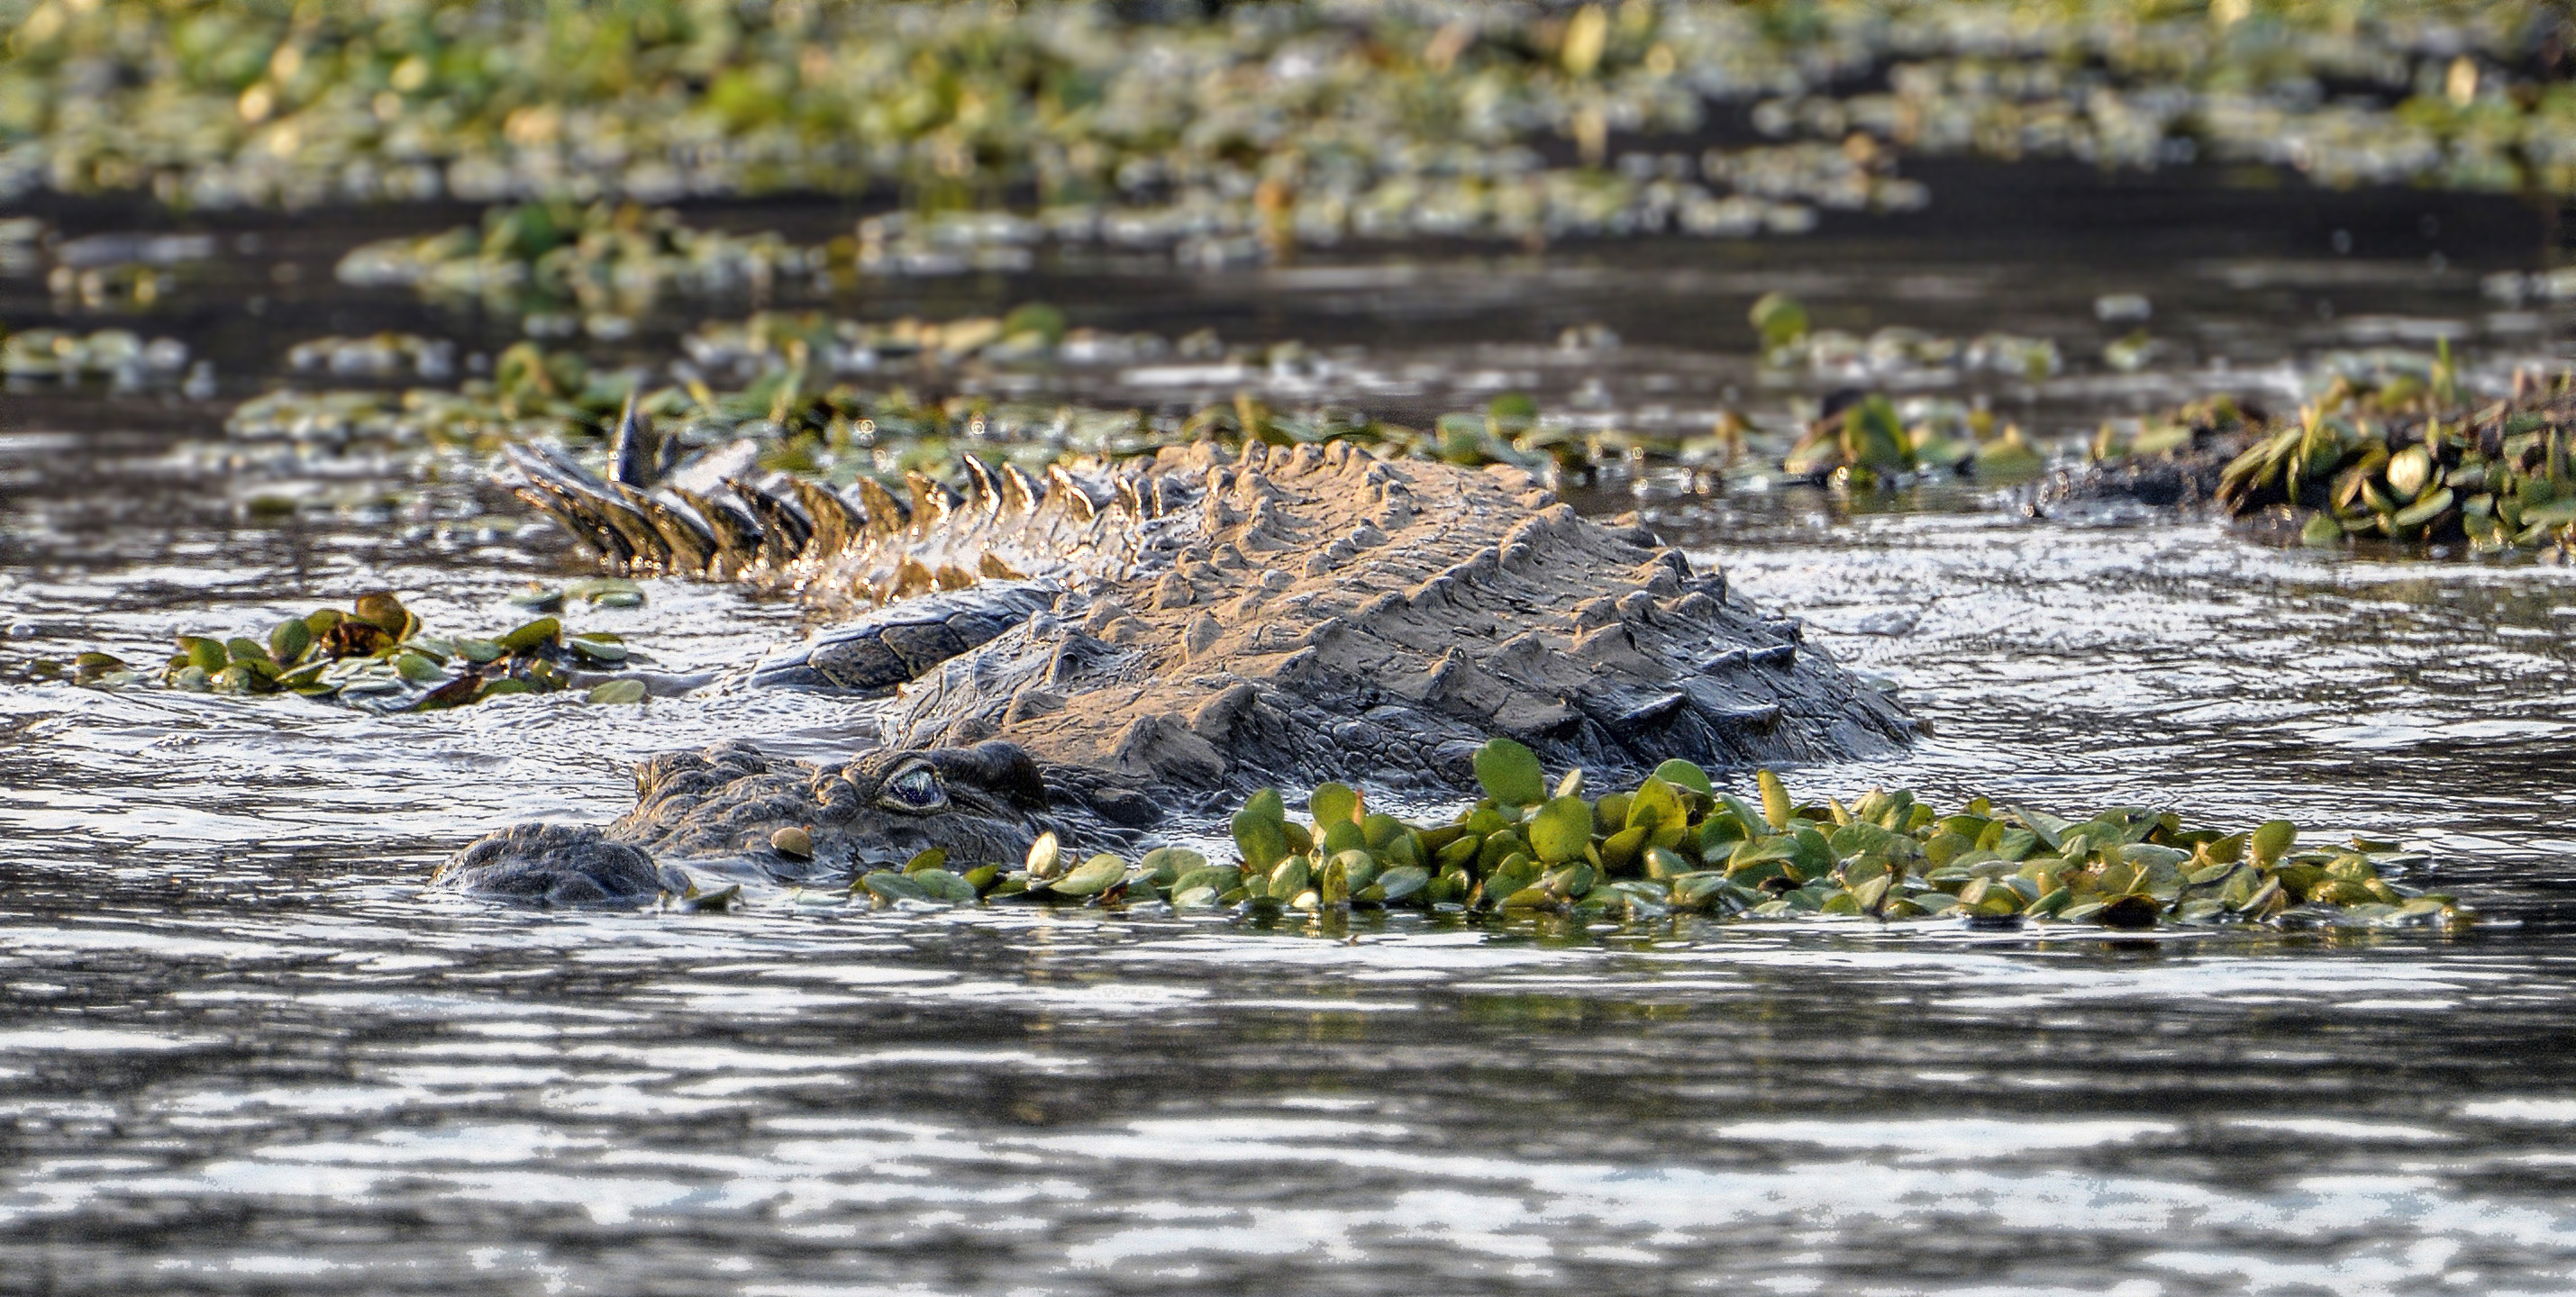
pixel 241 1052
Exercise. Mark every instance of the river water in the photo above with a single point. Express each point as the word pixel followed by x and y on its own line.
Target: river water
pixel 241 1052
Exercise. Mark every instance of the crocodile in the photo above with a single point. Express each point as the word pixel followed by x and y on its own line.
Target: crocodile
pixel 1090 650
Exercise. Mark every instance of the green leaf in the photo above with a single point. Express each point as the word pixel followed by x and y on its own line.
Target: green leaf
pixel 615 692
pixel 942 885
pixel 2274 840
pixel 288 639
pixel 1779 318
pixel 1166 864
pixel 1657 804
pixel 1776 807
pixel 1334 804
pixel 1510 774
pixel 1091 877
pixel 206 654
pixel 1561 830
pixel 1263 839
pixel 1686 775
pixel 544 630
pixel 889 886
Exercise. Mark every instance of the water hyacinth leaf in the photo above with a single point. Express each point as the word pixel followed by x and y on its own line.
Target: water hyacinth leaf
pixel 2409 470
pixel 888 886
pixel 1291 878
pixel 385 612
pixel 205 654
pixel 1510 773
pixel 941 885
pixel 1334 804
pixel 1333 883
pixel 2273 840
pixel 1167 865
pixel 288 640
pixel 1343 835
pixel 1403 881
pixel 1263 839
pixel 417 668
pixel 2048 828
pixel 1216 879
pixel 1267 804
pixel 1046 857
pixel 1779 318
pixel 1686 775
pixel 529 635
pixel 598 646
pixel 616 692
pixel 1561 829
pixel 1091 877
pixel 1655 805
pixel 2424 510
pixel 1776 807
pixel 934 858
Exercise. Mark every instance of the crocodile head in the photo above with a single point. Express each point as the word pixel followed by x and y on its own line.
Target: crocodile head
pixel 730 813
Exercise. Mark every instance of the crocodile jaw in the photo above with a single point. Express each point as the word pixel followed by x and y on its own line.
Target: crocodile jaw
pixel 723 814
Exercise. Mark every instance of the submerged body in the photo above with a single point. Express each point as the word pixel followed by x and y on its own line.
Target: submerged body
pixel 1150 635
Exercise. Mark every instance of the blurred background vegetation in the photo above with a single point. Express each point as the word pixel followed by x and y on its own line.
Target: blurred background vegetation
pixel 1286 122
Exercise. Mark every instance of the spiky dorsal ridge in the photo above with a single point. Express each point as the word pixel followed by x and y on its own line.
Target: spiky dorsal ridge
pixel 863 544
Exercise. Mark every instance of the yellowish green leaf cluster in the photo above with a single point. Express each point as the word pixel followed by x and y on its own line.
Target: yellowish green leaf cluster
pixel 376 657
pixel 2408 464
pixel 1676 844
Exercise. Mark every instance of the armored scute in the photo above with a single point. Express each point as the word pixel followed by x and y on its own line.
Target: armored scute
pixel 1089 651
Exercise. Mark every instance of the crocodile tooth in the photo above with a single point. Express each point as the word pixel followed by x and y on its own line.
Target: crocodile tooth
pixel 1128 499
pixel 886 515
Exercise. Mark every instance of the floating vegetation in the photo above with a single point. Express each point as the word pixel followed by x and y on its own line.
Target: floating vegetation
pixel 1230 136
pixel 1676 844
pixel 609 262
pixel 377 658
pixel 381 355
pixel 1868 445
pixel 1894 353
pixel 2402 458
pixel 121 356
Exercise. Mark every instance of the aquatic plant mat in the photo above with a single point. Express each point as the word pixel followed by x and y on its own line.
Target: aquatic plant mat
pixel 377 657
pixel 1676 844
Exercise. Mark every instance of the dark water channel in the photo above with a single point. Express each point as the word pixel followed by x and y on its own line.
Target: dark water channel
pixel 240 1052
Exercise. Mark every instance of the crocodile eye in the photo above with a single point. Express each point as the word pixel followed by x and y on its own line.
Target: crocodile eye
pixel 915 789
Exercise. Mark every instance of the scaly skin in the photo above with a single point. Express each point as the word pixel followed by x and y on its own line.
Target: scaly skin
pixel 1159 634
